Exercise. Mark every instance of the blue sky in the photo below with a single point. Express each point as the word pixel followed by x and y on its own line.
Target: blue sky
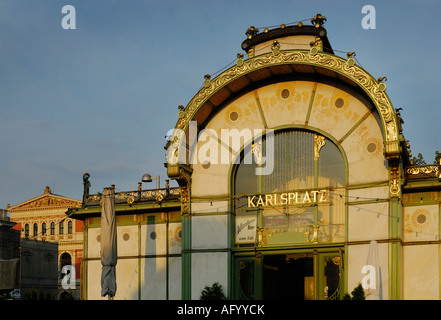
pixel 101 98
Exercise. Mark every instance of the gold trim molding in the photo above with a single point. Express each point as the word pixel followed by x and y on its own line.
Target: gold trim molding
pixel 423 169
pixel 375 89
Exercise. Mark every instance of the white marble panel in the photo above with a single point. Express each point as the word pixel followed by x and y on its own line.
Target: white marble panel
pixel 153 239
pixel 206 269
pixel 93 242
pixel 368 222
pixel 127 279
pixel 94 268
pixel 368 194
pixel 127 240
pixel 421 272
pixel 175 278
pixel 358 257
pixel 209 206
pixel 209 232
pixel 153 279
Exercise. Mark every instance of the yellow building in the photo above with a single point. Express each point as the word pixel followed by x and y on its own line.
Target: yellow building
pixel 43 218
pixel 294 183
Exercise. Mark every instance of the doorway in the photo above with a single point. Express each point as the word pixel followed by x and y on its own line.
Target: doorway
pixel 291 276
pixel 288 277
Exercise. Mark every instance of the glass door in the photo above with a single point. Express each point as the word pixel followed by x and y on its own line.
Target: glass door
pixel 248 278
pixel 294 276
pixel 330 266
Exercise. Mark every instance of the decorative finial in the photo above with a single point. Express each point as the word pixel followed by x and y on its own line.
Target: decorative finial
pixel 47 190
pixel 181 107
pixel 350 54
pixel 207 78
pixel 318 20
pixel 251 31
pixel 239 60
pixel 275 47
pixel 381 84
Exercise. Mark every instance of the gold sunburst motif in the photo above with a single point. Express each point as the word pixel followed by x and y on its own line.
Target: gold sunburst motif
pixel 373 146
pixel 176 238
pixel 285 94
pixel 233 114
pixel 417 220
pixel 335 107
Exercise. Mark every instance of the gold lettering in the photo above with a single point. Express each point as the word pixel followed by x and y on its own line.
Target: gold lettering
pixel 306 197
pixel 269 199
pixel 283 199
pixel 315 195
pixel 322 199
pixel 250 201
pixel 290 197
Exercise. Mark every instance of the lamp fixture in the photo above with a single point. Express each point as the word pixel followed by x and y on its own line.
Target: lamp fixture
pixel 148 178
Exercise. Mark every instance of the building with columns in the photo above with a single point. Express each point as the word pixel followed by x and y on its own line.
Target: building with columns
pixel 43 218
pixel 295 182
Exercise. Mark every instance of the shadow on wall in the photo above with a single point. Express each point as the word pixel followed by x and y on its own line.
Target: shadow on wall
pixel 156 275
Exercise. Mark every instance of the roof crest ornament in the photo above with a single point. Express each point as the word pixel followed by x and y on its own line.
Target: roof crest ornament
pixel 318 20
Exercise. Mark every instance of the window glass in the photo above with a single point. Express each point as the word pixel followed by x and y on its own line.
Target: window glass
pixel 302 199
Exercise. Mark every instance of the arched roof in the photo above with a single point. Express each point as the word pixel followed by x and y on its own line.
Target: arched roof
pixel 317 63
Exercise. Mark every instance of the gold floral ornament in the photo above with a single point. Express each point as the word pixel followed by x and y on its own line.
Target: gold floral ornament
pixel 319 142
pixel 130 200
pixel 374 89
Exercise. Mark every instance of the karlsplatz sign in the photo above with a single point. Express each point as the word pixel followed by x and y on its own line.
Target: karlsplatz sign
pixel 288 198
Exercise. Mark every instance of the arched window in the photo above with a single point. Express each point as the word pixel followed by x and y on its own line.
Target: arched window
pixel 43 228
pixel 52 228
pixel 35 229
pixel 65 259
pixel 300 190
pixel 61 227
pixel 26 230
pixel 69 227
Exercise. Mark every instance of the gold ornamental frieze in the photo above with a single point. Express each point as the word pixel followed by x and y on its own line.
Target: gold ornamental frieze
pixel 374 88
pixel 423 169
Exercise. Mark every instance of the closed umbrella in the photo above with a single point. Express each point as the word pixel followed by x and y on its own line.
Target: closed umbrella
pixel 108 244
pixel 374 290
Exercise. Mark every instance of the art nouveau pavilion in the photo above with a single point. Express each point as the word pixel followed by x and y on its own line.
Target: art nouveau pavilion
pixel 341 194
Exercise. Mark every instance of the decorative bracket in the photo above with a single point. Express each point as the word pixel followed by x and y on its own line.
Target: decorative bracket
pixel 319 142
